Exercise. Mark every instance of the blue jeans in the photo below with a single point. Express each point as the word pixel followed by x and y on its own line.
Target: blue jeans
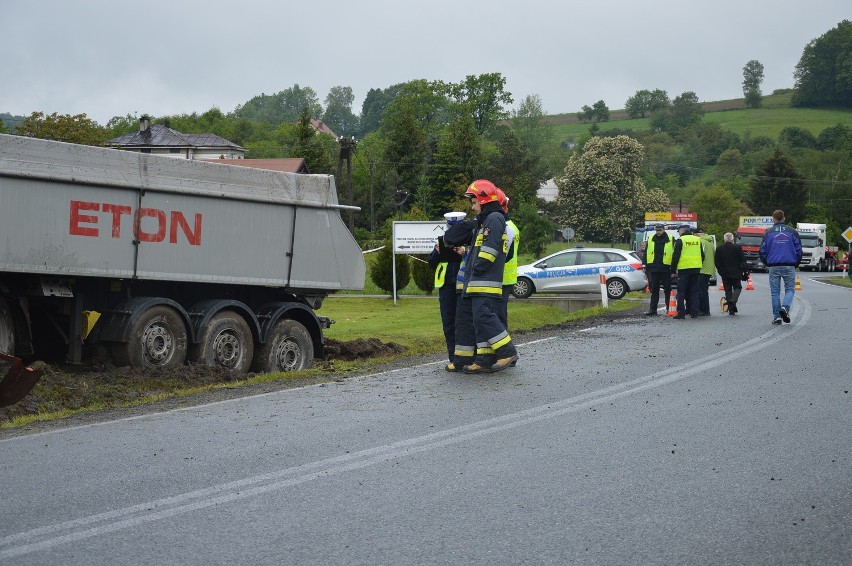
pixel 776 274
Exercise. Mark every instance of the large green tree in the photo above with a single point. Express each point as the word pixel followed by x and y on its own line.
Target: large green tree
pixel 779 186
pixel 284 106
pixel 752 79
pixel 63 127
pixel 484 96
pixel 373 107
pixel 824 73
pixel 718 210
pixel 646 102
pixel 338 111
pixel 602 192
pixel 685 111
pixel 314 147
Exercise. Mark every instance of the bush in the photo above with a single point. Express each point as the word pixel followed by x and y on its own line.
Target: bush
pixel 424 276
pixel 382 270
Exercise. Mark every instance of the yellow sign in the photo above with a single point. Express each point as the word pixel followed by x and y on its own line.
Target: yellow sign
pixel 847 235
pixel 658 216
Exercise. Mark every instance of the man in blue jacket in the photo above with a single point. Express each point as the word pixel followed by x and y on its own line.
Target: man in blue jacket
pixel 781 251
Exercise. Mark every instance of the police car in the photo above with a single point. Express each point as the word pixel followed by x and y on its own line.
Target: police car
pixel 576 271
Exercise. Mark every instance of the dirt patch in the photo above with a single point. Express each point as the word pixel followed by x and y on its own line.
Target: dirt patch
pixel 65 387
pixel 361 349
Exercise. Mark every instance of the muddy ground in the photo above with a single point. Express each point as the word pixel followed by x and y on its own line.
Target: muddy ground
pixel 75 387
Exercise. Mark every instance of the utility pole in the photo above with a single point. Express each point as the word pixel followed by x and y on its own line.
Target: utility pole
pixel 372 200
pixel 347 147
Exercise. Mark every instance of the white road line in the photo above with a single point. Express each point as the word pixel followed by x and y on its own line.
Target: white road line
pixel 94 525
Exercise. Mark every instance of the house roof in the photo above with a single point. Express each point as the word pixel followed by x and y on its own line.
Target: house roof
pixel 320 126
pixel 286 164
pixel 158 135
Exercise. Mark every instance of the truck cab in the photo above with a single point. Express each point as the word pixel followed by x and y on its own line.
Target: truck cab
pixel 749 238
pixel 813 237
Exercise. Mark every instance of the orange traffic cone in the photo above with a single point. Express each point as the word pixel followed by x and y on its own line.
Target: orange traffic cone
pixel 749 285
pixel 721 284
pixel 672 310
pixel 798 283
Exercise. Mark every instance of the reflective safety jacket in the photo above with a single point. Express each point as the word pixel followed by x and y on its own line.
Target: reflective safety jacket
pixel 510 270
pixel 487 258
pixel 691 252
pixel 651 250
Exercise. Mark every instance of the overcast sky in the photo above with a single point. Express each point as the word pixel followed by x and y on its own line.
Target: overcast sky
pixel 110 58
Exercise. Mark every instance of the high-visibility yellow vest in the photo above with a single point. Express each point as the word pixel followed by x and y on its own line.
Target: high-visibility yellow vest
pixel 668 250
pixel 690 252
pixel 440 272
pixel 510 268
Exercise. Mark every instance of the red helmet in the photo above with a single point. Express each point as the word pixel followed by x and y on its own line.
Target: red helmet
pixel 503 200
pixel 483 191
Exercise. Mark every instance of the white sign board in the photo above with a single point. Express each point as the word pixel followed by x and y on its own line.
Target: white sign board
pixel 416 237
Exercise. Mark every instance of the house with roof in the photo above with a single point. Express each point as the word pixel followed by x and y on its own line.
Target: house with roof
pixel 162 140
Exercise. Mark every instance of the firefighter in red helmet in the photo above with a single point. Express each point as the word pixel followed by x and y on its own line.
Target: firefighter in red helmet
pixel 483 344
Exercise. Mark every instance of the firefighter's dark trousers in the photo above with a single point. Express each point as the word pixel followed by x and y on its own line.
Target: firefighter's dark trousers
pixel 465 342
pixel 492 339
pixel 447 300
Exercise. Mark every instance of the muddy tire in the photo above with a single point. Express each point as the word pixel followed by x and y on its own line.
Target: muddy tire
pixel 226 342
pixel 158 339
pixel 288 348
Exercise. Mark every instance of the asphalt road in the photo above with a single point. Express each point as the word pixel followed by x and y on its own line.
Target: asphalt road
pixel 721 440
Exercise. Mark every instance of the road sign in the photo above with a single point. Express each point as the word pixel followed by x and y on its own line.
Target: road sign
pixel 567 233
pixel 847 235
pixel 416 237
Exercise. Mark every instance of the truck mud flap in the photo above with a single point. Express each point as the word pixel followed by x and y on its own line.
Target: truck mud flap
pixel 18 380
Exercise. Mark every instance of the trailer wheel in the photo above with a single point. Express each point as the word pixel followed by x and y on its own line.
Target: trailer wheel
pixel 288 348
pixel 7 329
pixel 226 342
pixel 157 339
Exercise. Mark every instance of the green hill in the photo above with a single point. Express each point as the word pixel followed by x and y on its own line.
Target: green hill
pixel 775 115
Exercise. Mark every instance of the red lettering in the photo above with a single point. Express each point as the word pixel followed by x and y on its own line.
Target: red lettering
pixel 192 236
pixel 76 218
pixel 175 224
pixel 117 210
pixel 157 236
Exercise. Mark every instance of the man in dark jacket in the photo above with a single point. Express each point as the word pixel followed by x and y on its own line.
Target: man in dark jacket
pixel 730 265
pixel 658 267
pixel 781 251
pixel 445 259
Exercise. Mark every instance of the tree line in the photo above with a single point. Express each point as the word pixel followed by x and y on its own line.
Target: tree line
pixel 418 144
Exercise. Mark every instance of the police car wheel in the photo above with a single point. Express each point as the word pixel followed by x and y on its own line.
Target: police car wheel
pixel 523 288
pixel 616 288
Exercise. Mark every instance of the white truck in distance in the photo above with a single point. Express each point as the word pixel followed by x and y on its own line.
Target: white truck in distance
pixel 815 255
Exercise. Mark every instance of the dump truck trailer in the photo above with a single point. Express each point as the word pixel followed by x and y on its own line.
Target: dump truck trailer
pixel 157 260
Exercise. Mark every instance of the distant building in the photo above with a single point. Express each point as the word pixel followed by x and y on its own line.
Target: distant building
pixel 161 140
pixel 548 191
pixel 320 127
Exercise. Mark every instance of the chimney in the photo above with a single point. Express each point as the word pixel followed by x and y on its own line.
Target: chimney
pixel 144 123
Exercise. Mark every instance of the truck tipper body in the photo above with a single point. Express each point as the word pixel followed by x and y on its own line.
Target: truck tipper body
pixel 816 256
pixel 162 260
